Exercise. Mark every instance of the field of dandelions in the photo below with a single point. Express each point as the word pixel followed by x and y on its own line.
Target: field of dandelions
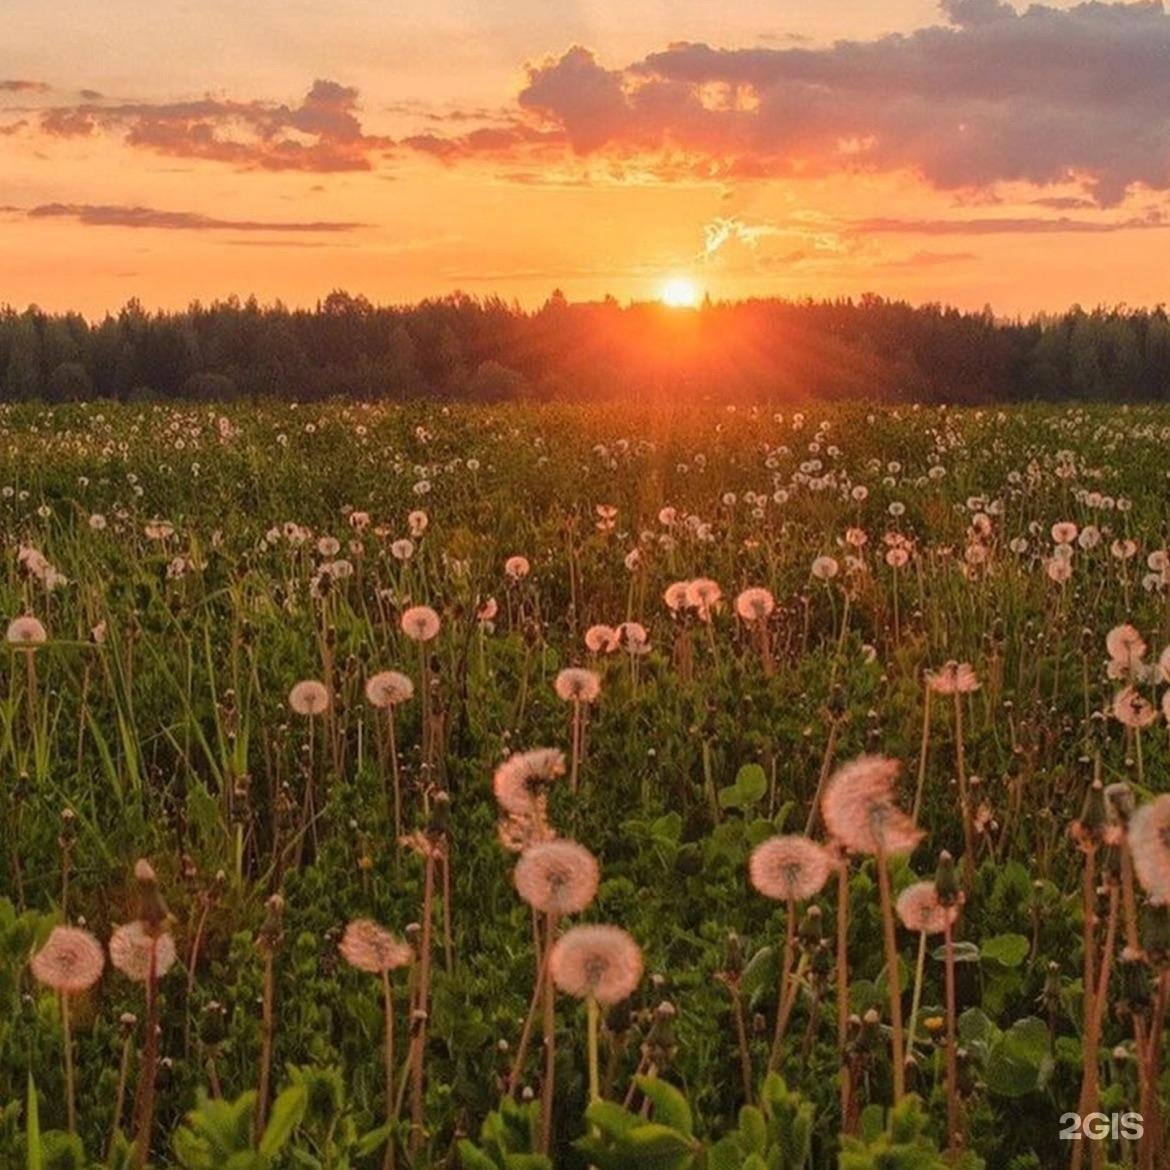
pixel 561 787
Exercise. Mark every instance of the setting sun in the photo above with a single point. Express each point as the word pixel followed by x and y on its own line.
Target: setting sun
pixel 680 292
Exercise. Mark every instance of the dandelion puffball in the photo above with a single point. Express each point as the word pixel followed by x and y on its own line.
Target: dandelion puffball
pixel 130 950
pixel 602 963
pixel 26 631
pixel 578 685
pixel 859 810
pixel 309 697
pixel 557 877
pixel 388 688
pixel 955 678
pixel 789 867
pixel 919 908
pixel 367 946
pixel 1149 842
pixel 70 962
pixel 754 604
pixel 420 623
pixel 523 778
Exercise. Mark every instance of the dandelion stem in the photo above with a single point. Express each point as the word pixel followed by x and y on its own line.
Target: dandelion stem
pixel 67 1040
pixel 892 980
pixel 952 1054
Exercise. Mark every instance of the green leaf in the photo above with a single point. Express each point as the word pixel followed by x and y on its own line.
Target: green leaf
pixel 670 1106
pixel 725 1155
pixel 611 1118
pixel 471 1157
pixel 288 1111
pixel 1008 950
pixel 754 1128
pixel 1019 1062
pixel 751 781
pixel 657 1147
pixel 965 952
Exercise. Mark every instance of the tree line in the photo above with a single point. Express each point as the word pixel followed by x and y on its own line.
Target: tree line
pixel 485 349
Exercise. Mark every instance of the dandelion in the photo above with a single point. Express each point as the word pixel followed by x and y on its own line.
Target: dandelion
pixel 601 639
pixel 309 697
pixel 825 568
pixel 675 596
pixel 385 691
pixel 366 946
pixel 579 686
pixel 69 963
pixel 919 908
pixel 1149 843
pixel 956 679
pixel 420 623
pixel 557 878
pixel 755 604
pixel 417 522
pixel 402 549
pixel 388 688
pixel 790 869
pixel 601 965
pixel 26 632
pixel 575 684
pixel 703 595
pixel 517 568
pixel 1064 532
pixel 144 951
pixel 1126 649
pixel 859 810
pixel 1132 709
pixel 522 781
pixel 133 949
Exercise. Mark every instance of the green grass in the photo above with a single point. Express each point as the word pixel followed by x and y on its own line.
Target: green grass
pixel 170 738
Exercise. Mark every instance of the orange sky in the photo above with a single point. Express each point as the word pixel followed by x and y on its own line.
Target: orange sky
pixel 963 152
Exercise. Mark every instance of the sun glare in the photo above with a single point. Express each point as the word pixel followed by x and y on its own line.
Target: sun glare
pixel 680 292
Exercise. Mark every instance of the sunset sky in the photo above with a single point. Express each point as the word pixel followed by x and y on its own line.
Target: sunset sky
pixel 967 152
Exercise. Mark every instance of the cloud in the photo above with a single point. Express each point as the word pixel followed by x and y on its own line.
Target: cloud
pixel 116 215
pixel 18 86
pixel 1002 225
pixel 925 259
pixel 1044 96
pixel 322 134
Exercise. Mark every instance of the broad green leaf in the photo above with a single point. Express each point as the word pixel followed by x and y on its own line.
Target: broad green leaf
pixel 670 1106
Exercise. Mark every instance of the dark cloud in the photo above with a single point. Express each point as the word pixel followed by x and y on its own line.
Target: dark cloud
pixel 322 134
pixel 17 86
pixel 1044 96
pixel 1002 225
pixel 115 215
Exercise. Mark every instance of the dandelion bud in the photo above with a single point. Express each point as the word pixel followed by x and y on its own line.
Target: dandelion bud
pixel 1089 830
pixel 946 881
pixel 272 931
pixel 1121 800
pixel 152 909
pixel 811 928
pixel 733 955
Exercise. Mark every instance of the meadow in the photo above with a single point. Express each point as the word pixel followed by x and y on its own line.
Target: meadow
pixel 648 788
